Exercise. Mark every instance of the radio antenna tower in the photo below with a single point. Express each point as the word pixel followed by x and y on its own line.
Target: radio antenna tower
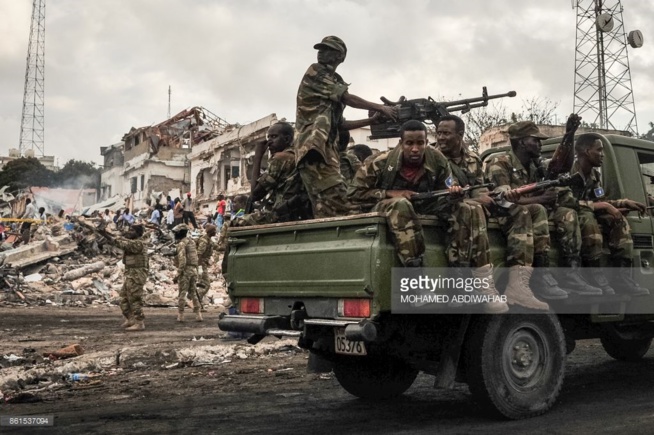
pixel 168 102
pixel 32 120
pixel 603 93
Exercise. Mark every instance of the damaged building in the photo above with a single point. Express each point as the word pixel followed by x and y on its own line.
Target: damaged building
pixel 223 164
pixel 155 158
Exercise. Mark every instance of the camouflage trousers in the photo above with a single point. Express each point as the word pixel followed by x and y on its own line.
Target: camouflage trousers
pixel 204 282
pixel 526 231
pixel 188 286
pixel 567 231
pixel 468 239
pixel 326 189
pixel 594 227
pixel 131 294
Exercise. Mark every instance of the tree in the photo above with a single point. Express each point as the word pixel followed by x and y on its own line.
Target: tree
pixel 536 109
pixel 76 174
pixel 650 134
pixel 25 172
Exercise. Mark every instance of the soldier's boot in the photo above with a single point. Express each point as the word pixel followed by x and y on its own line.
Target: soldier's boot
pixel 595 276
pixel 572 280
pixel 138 325
pixel 543 283
pixel 518 291
pixel 495 305
pixel 413 262
pixel 129 321
pixel 198 316
pixel 624 281
pixel 180 316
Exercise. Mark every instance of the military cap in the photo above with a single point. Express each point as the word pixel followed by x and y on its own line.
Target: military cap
pixel 332 42
pixel 525 129
pixel 180 227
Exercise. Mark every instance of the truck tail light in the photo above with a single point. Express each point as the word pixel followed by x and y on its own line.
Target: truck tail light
pixel 354 307
pixel 252 305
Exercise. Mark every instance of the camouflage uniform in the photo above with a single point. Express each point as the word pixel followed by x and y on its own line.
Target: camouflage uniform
pixel 516 227
pixel 620 242
pixel 187 266
pixel 350 164
pixel 506 172
pixel 468 244
pixel 319 112
pixel 205 251
pixel 136 273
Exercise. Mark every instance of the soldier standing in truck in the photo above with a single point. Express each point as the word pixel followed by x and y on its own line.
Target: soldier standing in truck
pixel 387 183
pixel 596 212
pixel 517 222
pixel 519 167
pixel 321 99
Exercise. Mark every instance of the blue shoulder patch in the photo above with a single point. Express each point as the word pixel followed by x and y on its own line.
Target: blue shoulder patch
pixel 599 192
pixel 449 181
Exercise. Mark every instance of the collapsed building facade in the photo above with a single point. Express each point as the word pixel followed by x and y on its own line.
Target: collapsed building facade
pixel 153 160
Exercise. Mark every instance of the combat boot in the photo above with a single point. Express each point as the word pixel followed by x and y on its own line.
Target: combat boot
pixel 624 281
pixel 543 283
pixel 180 316
pixel 595 276
pixel 495 305
pixel 198 316
pixel 572 280
pixel 137 326
pixel 129 321
pixel 518 291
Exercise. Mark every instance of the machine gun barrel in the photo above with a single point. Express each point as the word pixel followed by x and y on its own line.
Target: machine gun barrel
pixel 465 105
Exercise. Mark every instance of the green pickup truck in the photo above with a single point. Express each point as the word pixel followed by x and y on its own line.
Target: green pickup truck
pixel 328 283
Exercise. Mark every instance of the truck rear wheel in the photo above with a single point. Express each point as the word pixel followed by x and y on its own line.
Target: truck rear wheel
pixel 516 363
pixel 373 377
pixel 624 349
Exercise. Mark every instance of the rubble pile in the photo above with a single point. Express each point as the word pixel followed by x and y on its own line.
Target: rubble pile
pixel 80 269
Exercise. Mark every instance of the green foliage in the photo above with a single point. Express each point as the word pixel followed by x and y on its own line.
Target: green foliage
pixel 29 172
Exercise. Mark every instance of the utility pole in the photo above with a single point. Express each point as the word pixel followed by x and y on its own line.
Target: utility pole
pixel 33 119
pixel 603 93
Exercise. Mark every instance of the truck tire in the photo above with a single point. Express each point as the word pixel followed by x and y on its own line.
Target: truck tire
pixel 624 349
pixel 376 378
pixel 516 363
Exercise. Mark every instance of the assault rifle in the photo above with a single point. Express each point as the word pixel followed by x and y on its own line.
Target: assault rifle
pixel 446 192
pixel 427 110
pixel 563 180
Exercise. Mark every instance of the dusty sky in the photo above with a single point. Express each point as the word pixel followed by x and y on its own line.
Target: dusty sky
pixel 109 62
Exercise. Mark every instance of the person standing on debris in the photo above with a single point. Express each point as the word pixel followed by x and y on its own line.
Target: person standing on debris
pixel 205 251
pixel 220 211
pixel 25 228
pixel 321 99
pixel 178 211
pixel 188 216
pixel 228 207
pixel 128 218
pixel 107 216
pixel 186 261
pixel 42 216
pixel 169 202
pixel 170 218
pixel 155 217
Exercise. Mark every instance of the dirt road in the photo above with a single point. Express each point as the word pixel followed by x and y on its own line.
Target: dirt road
pixel 268 391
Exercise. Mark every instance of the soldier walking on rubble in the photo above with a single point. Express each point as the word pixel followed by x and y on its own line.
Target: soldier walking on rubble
pixel 186 261
pixel 321 99
pixel 205 251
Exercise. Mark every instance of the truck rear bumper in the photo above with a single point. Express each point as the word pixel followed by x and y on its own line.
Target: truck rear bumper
pixel 280 326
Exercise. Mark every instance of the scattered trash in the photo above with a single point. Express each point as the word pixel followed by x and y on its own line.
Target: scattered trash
pixel 76 377
pixel 67 352
pixel 12 357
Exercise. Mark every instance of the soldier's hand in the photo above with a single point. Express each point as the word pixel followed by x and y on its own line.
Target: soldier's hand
pixel 636 206
pixel 389 112
pixel 456 191
pixel 485 200
pixel 512 195
pixel 608 209
pixel 400 194
pixel 573 123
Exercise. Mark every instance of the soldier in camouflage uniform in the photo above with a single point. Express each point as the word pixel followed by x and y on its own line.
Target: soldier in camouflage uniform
pixel 349 162
pixel 135 260
pixel 387 183
pixel 517 168
pixel 186 261
pixel 205 251
pixel 515 222
pixel 596 212
pixel 321 99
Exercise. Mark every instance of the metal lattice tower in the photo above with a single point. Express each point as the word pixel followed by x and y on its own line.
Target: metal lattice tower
pixel 32 121
pixel 603 93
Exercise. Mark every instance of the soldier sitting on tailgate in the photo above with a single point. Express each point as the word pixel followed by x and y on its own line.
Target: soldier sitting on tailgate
pixel 519 167
pixel 521 225
pixel 596 211
pixel 186 261
pixel 386 184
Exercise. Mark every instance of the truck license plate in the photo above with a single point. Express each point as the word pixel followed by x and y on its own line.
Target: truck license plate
pixel 346 347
